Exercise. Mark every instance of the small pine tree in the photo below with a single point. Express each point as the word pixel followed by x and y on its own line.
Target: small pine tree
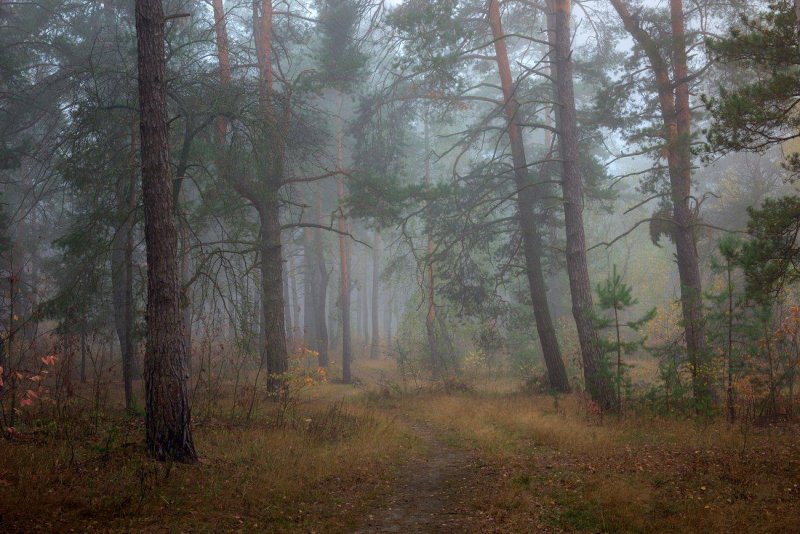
pixel 724 313
pixel 741 323
pixel 616 297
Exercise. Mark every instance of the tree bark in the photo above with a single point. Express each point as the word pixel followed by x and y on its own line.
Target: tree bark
pixel 356 296
pixel 167 415
pixel 527 201
pixel 365 304
pixel 186 297
pixel 389 340
pixel 224 63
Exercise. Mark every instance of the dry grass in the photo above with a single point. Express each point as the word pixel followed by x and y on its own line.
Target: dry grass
pixel 319 470
pixel 328 460
pixel 635 474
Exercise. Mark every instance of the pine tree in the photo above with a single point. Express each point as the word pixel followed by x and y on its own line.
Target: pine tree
pixel 340 62
pixel 168 419
pixel 616 297
pixel 754 116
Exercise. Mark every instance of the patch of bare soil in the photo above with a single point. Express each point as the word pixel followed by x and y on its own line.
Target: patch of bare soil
pixel 452 490
pixel 431 497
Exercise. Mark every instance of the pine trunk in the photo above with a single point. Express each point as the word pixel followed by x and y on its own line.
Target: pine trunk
pixel 430 280
pixel 527 201
pixel 167 414
pixel 680 171
pixel 122 274
pixel 274 356
pixel 295 311
pixel 389 344
pixel 597 383
pixel 365 304
pixel 185 283
pixel 121 271
pixel 673 99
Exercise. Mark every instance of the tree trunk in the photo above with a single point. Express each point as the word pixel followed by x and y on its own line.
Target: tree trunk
pixel 365 303
pixel 275 356
pixel 430 280
pixel 344 288
pixel 356 309
pixel 321 300
pixel 673 98
pixel 527 201
pixel 186 298
pixel 310 291
pixel 680 171
pixel 121 292
pixel 287 301
pixel 389 344
pixel 597 383
pixel 223 58
pixel 730 390
pixel 344 258
pixel 295 310
pixel 376 296
pixel 168 418
pixel 118 293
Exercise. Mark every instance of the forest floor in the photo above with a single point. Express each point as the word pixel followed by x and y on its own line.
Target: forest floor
pixel 383 458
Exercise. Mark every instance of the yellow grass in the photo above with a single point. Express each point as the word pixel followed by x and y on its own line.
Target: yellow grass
pixel 330 457
pixel 632 474
pixel 318 470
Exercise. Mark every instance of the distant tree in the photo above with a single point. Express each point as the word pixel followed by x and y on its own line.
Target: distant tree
pixel 340 62
pixel 252 161
pixel 375 342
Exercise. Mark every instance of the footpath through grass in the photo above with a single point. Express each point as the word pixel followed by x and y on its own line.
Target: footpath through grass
pixel 551 463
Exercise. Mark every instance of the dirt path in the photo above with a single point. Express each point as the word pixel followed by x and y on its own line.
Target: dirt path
pixel 431 497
